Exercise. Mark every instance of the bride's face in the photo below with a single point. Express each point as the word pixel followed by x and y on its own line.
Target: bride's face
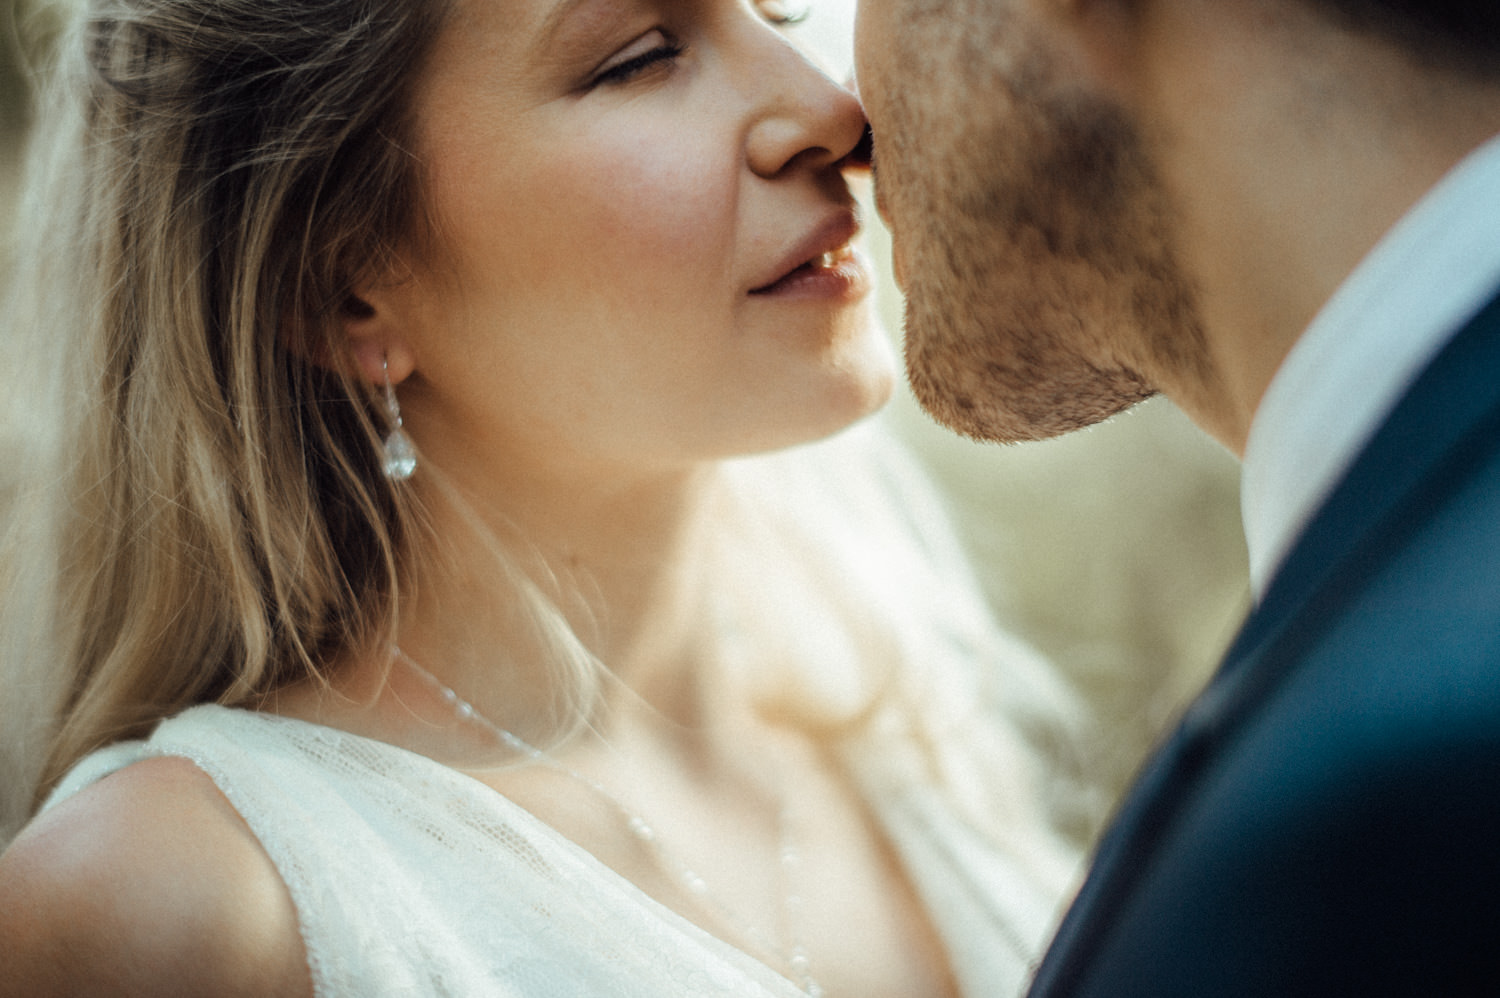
pixel 642 240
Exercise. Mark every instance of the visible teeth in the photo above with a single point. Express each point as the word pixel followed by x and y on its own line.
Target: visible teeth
pixel 827 260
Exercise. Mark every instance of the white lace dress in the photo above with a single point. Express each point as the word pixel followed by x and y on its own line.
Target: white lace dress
pixel 410 878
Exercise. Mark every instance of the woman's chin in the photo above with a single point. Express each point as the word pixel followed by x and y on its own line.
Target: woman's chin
pixel 873 375
pixel 861 393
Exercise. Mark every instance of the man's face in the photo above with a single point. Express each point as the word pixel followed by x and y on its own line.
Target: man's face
pixel 1031 235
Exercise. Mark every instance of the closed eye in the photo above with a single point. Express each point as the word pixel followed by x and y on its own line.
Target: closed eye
pixel 631 66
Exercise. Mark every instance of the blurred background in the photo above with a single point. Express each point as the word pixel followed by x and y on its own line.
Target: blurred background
pixel 13 112
pixel 1116 551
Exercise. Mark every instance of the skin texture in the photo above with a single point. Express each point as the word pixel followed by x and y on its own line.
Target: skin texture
pixel 585 309
pixel 148 877
pixel 1096 199
pixel 1032 238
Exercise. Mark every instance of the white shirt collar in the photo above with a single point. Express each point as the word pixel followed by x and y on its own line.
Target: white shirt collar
pixel 1431 273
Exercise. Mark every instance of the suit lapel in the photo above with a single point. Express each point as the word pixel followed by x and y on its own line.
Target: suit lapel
pixel 1450 402
pixel 1417 454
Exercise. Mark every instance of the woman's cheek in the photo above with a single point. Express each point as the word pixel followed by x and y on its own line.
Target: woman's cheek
pixel 674 197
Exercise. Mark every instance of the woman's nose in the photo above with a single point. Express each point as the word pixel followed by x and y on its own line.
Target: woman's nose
pixel 804 116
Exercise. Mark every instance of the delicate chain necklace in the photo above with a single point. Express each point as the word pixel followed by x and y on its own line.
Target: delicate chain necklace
pixel 789 950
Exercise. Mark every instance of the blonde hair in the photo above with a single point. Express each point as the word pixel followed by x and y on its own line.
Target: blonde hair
pixel 213 179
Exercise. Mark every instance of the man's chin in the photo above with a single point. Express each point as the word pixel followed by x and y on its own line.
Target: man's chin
pixel 987 396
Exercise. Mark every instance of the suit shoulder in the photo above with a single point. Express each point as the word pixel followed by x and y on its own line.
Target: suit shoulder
pixel 149 876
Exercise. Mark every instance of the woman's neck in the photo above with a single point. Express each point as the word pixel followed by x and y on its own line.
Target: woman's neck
pixel 627 564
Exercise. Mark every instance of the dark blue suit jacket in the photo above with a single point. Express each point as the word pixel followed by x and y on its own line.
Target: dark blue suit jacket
pixel 1326 819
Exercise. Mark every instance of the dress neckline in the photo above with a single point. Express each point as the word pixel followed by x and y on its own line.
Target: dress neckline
pixel 439 774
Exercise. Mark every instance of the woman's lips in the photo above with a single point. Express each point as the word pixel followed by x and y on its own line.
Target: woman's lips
pixel 836 273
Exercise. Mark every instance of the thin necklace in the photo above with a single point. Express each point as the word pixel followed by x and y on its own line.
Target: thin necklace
pixel 788 950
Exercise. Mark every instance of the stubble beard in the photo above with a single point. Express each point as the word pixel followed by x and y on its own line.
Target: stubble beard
pixel 1042 292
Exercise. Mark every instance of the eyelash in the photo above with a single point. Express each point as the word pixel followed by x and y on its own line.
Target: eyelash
pixel 773 11
pixel 634 66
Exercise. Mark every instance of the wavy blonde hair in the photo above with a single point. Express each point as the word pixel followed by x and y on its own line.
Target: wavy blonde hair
pixel 212 179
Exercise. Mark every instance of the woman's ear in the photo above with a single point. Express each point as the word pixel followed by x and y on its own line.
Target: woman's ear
pixel 368 338
pixel 377 344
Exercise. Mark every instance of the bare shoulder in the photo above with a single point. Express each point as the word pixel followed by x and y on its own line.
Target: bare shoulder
pixel 146 882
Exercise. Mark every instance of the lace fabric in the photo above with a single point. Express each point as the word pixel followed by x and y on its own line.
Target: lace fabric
pixel 411 878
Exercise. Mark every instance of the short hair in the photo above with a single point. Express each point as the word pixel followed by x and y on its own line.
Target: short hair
pixel 1457 35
